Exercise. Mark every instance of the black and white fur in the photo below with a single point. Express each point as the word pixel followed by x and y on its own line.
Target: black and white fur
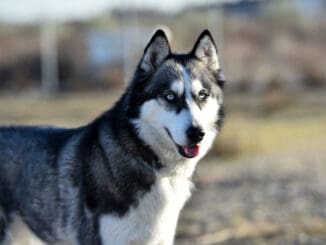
pixel 122 179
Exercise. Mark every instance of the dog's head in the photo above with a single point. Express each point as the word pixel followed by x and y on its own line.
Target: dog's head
pixel 178 97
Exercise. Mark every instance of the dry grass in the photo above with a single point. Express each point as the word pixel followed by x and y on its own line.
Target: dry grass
pixel 264 231
pixel 264 136
pixel 251 127
pixel 70 110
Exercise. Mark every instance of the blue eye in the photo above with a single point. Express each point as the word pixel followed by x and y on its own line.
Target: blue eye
pixel 169 96
pixel 202 95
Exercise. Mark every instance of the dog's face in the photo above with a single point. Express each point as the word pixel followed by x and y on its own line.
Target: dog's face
pixel 182 96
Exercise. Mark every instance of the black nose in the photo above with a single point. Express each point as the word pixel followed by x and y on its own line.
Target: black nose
pixel 195 134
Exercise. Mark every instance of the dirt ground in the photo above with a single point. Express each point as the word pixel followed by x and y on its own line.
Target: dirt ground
pixel 274 199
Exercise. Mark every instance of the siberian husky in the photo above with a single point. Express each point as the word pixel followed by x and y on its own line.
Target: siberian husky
pixel 122 179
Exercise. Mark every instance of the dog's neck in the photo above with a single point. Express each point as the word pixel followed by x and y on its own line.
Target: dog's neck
pixel 152 193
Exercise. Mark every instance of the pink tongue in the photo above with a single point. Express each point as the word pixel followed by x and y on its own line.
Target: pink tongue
pixel 191 151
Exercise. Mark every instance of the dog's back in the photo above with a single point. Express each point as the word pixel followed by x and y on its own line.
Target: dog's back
pixel 28 174
pixel 22 149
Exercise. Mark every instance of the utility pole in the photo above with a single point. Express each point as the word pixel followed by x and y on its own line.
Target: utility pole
pixel 131 32
pixel 215 23
pixel 49 58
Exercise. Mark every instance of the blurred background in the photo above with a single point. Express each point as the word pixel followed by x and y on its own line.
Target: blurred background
pixel 264 182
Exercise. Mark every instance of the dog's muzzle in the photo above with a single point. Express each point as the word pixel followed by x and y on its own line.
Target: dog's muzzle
pixel 188 151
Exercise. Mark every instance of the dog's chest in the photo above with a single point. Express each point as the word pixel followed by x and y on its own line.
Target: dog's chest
pixel 153 220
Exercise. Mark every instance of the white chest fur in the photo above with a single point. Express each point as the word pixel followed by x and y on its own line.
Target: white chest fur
pixel 153 220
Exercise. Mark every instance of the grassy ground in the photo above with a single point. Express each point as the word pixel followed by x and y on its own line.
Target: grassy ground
pixel 70 110
pixel 265 199
pixel 256 125
pixel 243 136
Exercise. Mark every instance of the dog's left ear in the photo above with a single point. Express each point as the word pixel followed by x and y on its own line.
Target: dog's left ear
pixel 206 51
pixel 155 52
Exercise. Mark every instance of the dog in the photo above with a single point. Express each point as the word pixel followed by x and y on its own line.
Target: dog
pixel 124 178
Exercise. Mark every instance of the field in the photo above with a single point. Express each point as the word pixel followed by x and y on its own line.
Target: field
pixel 264 181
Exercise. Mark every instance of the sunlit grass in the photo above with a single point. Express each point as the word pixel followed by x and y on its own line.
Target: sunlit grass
pixel 242 135
pixel 69 110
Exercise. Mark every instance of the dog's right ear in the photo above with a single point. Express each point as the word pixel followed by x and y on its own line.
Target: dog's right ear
pixel 155 52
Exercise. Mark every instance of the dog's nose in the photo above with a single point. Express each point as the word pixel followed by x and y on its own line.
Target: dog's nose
pixel 195 134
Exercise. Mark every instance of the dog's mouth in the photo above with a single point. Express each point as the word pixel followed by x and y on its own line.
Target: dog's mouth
pixel 188 151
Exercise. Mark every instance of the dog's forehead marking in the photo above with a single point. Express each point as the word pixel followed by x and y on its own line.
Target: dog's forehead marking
pixel 190 86
pixel 178 87
pixel 186 80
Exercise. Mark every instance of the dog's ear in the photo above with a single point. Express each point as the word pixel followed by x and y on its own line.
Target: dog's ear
pixel 155 52
pixel 206 51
